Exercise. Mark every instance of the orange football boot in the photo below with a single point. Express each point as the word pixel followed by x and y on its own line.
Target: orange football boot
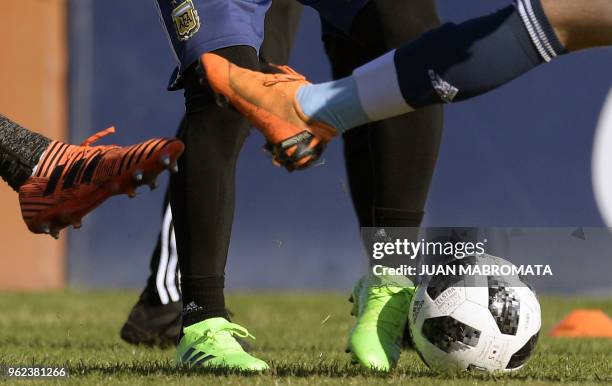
pixel 71 181
pixel 268 102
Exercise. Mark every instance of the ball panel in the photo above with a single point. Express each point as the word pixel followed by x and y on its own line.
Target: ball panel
pixel 437 284
pixel 449 301
pixel 477 295
pixel 530 321
pixel 449 334
pixel 519 358
pixel 477 316
pixel 494 351
pixel 504 305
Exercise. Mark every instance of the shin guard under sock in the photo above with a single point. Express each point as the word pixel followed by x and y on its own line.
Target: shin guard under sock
pixel 455 62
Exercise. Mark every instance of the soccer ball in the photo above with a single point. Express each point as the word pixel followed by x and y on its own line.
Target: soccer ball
pixel 469 321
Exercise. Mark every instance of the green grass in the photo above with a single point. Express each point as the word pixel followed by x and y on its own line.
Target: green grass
pixel 80 330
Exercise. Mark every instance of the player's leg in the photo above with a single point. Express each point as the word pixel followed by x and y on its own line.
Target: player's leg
pixel 281 27
pixel 20 152
pixel 580 25
pixel 59 183
pixel 206 187
pixel 202 198
pixel 203 193
pixel 389 165
pixel 449 63
pixel 402 156
pixel 155 320
pixel 458 61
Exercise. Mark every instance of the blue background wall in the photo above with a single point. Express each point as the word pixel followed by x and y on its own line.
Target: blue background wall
pixel 519 157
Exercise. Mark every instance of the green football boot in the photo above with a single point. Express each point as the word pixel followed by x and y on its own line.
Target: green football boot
pixel 212 343
pixel 380 304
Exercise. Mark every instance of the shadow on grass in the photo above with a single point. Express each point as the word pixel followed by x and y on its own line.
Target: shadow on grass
pixel 300 370
pixel 168 369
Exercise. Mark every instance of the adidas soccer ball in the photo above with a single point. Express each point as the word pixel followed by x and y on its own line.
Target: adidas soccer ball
pixel 467 320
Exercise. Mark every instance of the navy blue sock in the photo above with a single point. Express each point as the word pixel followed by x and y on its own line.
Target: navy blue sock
pixel 447 64
pixel 459 61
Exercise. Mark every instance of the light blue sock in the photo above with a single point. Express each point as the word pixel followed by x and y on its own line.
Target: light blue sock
pixel 335 103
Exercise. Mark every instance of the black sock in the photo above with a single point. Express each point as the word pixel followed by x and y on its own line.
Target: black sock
pixel 392 224
pixel 203 298
pixel 202 192
pixel 20 151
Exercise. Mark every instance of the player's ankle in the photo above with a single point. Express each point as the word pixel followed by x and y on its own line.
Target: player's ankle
pixel 22 150
pixel 334 103
pixel 203 298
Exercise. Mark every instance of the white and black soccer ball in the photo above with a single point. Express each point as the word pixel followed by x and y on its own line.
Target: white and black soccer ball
pixel 466 322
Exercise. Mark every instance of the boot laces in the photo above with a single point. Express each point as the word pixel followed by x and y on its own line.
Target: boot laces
pixel 86 151
pixel 96 137
pixel 224 334
pixel 381 295
pixel 288 75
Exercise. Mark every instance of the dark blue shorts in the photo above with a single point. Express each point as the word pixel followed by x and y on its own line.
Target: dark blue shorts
pixel 198 26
